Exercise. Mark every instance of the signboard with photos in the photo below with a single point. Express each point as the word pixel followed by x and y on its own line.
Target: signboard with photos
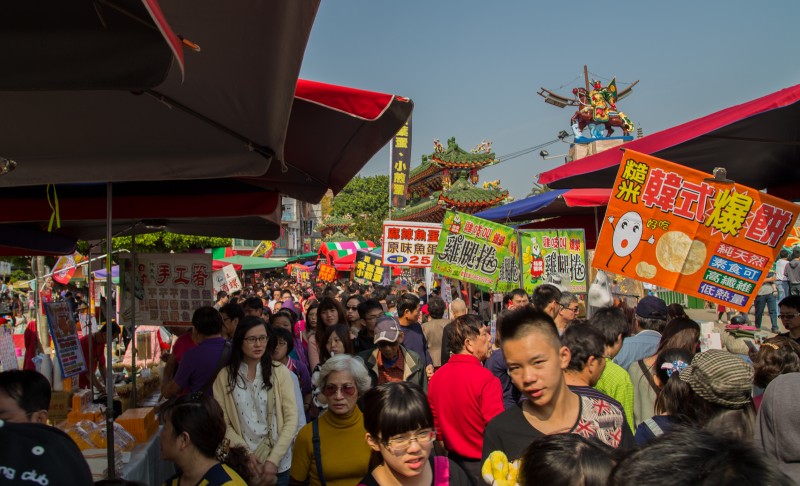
pixel 684 230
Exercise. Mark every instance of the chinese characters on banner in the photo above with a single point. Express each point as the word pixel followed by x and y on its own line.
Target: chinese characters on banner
pixel 368 268
pixel 225 279
pixel 65 336
pixel 410 244
pixel 401 152
pixel 168 287
pixel 327 273
pixel 478 251
pixel 556 257
pixel 300 273
pixel 673 226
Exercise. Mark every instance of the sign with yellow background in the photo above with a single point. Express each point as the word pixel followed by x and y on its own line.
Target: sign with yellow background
pixel 681 229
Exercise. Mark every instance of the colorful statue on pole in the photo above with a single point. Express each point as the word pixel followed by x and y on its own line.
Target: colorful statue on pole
pixel 598 111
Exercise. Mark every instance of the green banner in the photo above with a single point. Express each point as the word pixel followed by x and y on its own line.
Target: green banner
pixel 554 256
pixel 475 250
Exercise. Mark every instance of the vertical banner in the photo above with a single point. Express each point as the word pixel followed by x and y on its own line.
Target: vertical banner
pixel 680 228
pixel 556 257
pixel 478 251
pixel 410 244
pixel 401 154
pixel 226 279
pixel 65 336
pixel 167 287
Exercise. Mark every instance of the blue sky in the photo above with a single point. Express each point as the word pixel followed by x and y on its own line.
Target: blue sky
pixel 473 67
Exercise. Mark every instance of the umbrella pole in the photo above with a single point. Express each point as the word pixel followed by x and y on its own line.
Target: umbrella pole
pixel 133 316
pixel 109 338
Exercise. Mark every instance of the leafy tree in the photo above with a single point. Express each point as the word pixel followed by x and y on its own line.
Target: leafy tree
pixel 163 242
pixel 367 200
pixel 539 189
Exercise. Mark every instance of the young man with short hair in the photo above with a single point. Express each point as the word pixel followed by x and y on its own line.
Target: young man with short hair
pixel 536 362
pixel 408 315
pixel 546 298
pixel 370 311
pixel 790 317
pixel 615 380
pixel 390 361
pixel 517 298
pixel 24 396
pixel 253 306
pixel 222 299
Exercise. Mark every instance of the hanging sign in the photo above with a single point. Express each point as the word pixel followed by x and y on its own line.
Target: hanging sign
pixel 401 153
pixel 679 228
pixel 556 257
pixel 8 353
pixel 64 268
pixel 65 336
pixel 167 287
pixel 225 279
pixel 410 244
pixel 368 268
pixel 478 251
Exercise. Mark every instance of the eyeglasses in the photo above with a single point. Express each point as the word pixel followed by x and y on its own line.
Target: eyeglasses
pixel 348 390
pixel 402 443
pixel 372 318
pixel 256 339
pixel 574 310
pixel 788 316
pixel 351 307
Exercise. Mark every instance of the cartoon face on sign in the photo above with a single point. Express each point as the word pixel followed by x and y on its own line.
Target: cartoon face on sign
pixel 627 235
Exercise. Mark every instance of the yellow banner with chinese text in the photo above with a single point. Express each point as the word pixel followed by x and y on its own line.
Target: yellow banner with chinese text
pixel 681 229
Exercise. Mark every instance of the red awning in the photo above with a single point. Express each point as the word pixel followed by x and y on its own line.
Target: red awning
pixel 219 265
pixel 756 141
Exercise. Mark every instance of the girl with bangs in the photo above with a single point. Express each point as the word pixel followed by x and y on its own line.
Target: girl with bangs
pixel 400 432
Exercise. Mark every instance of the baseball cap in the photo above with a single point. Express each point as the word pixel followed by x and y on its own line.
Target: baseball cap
pixel 387 329
pixel 721 378
pixel 651 307
pixel 42 452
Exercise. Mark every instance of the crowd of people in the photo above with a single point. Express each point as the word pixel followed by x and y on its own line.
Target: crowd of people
pixel 284 384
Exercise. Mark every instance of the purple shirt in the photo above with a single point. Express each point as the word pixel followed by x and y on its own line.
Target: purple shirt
pixel 199 365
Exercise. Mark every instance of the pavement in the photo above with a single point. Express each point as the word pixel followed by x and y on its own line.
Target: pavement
pixel 710 315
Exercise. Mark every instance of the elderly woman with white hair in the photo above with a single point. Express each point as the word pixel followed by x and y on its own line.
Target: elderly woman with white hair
pixel 331 451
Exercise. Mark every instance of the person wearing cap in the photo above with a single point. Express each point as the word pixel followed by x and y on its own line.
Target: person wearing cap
pixel 651 317
pixel 721 400
pixel 390 361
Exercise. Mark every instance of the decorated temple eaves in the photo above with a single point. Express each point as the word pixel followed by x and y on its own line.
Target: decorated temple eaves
pixel 448 179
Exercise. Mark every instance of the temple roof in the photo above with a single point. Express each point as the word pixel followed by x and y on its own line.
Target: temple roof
pixel 462 196
pixel 453 157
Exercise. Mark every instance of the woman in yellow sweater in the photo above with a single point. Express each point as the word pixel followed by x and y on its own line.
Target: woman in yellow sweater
pixel 257 397
pixel 342 456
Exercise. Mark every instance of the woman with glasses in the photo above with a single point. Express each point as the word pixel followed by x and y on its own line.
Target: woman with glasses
pixel 258 399
pixel 331 449
pixel 400 433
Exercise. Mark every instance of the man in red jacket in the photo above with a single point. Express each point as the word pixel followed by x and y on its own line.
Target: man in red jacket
pixel 464 396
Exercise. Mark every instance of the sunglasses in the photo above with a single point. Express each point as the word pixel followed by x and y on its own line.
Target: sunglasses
pixel 347 390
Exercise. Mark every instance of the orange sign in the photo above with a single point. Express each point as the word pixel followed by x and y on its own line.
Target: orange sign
pixel 327 273
pixel 681 229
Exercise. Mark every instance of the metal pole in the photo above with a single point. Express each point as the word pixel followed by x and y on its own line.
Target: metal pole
pixel 133 316
pixel 109 338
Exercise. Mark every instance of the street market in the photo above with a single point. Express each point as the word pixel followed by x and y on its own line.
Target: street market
pixel 217 271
